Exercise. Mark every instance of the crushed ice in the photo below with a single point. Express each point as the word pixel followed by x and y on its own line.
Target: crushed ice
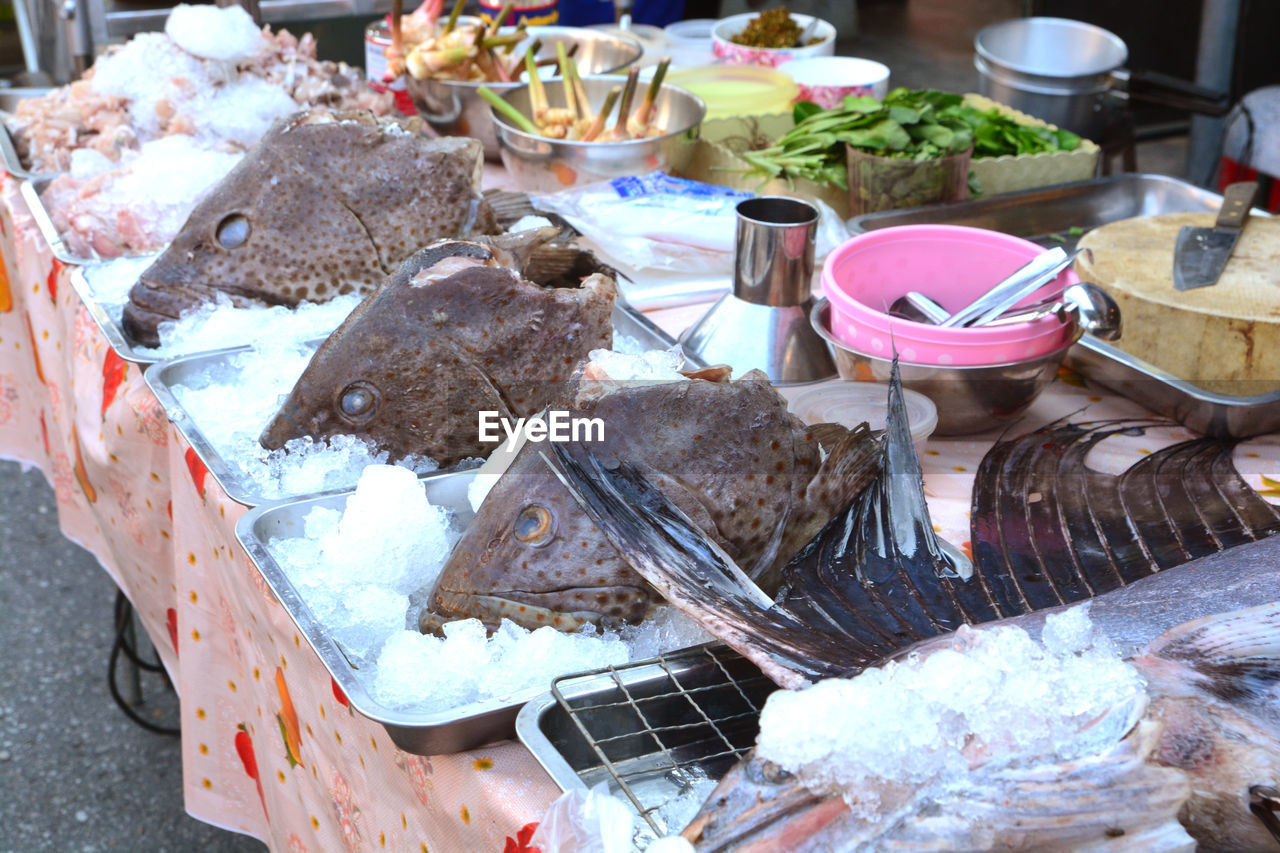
pixel 365 573
pixel 994 696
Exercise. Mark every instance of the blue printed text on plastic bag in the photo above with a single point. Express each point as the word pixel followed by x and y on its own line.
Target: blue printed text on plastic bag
pixel 660 183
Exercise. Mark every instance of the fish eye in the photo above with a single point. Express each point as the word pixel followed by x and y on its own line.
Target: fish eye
pixel 534 526
pixel 233 231
pixel 357 400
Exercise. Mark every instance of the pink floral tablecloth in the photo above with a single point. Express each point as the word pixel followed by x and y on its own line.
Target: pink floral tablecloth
pixel 269 744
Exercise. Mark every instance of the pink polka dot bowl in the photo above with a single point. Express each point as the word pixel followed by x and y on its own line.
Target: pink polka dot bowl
pixel 953 265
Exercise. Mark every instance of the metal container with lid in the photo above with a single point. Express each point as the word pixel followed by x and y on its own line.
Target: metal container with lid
pixel 1071 74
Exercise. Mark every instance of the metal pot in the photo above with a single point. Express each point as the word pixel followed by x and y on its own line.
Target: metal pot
pixel 1070 73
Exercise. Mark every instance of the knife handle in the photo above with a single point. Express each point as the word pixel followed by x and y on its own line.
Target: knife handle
pixel 1236 201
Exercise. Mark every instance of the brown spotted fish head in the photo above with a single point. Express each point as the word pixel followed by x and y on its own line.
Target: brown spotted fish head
pixel 327 203
pixel 727 453
pixel 455 331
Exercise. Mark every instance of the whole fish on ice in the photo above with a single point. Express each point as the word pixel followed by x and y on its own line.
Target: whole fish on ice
pixel 458 329
pixel 327 203
pixel 750 474
pixel 1191 761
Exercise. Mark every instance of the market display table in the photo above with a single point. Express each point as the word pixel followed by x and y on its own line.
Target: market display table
pixel 269 744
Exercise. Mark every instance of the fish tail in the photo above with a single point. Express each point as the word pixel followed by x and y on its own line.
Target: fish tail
pixel 691 571
pixel 851 466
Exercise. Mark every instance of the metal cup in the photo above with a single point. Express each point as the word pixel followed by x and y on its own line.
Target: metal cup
pixel 773 253
pixel 764 322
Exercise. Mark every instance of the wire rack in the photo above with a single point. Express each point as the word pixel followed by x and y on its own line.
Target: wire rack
pixel 662 728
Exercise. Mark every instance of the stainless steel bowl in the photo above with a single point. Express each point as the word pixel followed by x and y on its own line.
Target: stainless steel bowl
pixel 453 108
pixel 539 164
pixel 970 399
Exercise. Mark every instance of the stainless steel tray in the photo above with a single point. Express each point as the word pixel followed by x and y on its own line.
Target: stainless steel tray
pixel 31 190
pixel 1047 215
pixel 422 734
pixel 107 323
pixel 164 376
pixel 9 99
pixel 1206 412
pixel 648 729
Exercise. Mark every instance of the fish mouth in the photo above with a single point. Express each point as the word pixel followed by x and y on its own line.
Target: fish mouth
pixel 283 428
pixel 534 610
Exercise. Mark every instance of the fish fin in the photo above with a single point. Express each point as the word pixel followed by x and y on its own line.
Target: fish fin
pixel 1109 802
pixel 1236 655
pixel 510 207
pixel 852 463
pixel 691 571
pixel 828 435
pixel 710 373
pixel 565 266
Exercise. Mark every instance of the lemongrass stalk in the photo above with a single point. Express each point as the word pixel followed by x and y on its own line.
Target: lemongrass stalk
pixel 502 15
pixel 502 40
pixel 597 124
pixel 518 118
pixel 537 94
pixel 453 17
pixel 580 89
pixel 624 109
pixel 522 30
pixel 645 111
pixel 570 100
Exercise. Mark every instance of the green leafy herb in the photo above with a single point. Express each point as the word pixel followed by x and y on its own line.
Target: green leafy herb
pixel 909 124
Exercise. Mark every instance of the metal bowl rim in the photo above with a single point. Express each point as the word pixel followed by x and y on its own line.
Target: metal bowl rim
pixel 822 304
pixel 574 144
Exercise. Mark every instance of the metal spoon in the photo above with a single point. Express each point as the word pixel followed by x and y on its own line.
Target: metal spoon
pixel 1099 313
pixel 806 33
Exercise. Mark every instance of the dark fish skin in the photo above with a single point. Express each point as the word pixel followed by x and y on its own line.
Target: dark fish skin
pixel 728 453
pixel 333 202
pixel 451 333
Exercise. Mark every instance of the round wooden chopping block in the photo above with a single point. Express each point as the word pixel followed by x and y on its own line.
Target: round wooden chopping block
pixel 1225 337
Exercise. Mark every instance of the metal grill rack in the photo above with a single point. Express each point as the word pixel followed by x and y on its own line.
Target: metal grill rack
pixel 657 729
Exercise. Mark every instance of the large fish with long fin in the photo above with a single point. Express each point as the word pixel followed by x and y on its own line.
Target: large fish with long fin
pixel 327 203
pixel 876 583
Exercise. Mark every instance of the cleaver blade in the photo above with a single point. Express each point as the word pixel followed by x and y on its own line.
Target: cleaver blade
pixel 1201 254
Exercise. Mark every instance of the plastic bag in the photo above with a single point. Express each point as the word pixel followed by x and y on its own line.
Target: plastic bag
pixel 582 821
pixel 655 221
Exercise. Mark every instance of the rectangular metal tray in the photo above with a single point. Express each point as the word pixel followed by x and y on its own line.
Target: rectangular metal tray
pixel 9 99
pixel 31 190
pixel 1044 215
pixel 162 377
pixel 1206 412
pixel 648 728
pixel 423 734
pixel 1038 214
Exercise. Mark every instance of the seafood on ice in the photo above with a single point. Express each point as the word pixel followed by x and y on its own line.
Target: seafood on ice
pixel 328 203
pixel 493 324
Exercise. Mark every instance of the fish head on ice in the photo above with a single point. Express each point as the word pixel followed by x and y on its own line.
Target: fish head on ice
pixel 326 204
pixel 444 338
pixel 532 556
pixel 746 473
